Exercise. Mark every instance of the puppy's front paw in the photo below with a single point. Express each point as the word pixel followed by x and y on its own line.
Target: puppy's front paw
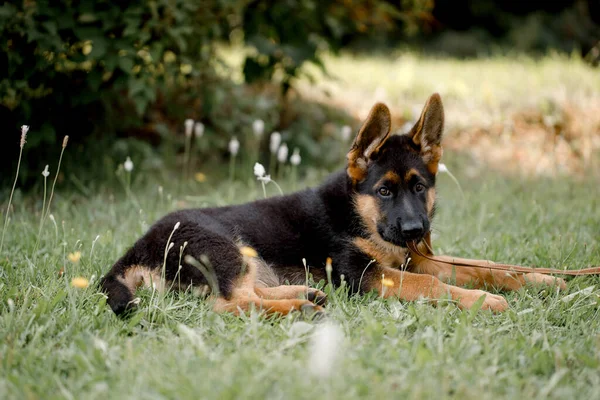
pixel 492 302
pixel 541 279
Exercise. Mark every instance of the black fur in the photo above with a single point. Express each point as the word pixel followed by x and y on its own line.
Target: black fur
pixel 313 224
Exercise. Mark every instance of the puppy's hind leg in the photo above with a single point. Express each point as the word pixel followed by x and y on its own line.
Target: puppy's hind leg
pixel 292 292
pixel 243 295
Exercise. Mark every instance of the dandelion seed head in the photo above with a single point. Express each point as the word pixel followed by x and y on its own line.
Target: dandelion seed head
pixel 265 179
pixel 295 159
pixel 234 146
pixel 100 345
pixel 325 349
pixel 274 142
pixel 128 164
pixel 259 170
pixel 198 130
pixel 282 153
pixel 189 126
pixel 346 132
pixel 258 127
pixel 45 172
pixel 24 130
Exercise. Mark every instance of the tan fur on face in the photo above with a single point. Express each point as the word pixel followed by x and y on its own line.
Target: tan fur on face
pixel 384 252
pixel 392 177
pixel 368 209
pixel 430 202
pixel 412 172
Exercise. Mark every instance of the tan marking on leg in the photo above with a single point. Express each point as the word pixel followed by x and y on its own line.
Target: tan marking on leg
pixel 481 277
pixel 240 304
pixel 410 286
pixel 244 296
pixel 286 292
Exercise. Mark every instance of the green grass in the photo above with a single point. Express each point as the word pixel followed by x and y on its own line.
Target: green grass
pixel 57 341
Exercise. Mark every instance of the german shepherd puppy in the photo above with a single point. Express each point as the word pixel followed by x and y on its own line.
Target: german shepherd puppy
pixel 357 223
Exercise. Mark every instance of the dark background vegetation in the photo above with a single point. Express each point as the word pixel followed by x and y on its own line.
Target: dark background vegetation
pixel 120 77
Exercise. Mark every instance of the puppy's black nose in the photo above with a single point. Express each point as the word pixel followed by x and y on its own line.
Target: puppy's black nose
pixel 412 229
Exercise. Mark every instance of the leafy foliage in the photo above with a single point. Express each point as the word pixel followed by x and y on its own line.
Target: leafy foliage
pixel 80 68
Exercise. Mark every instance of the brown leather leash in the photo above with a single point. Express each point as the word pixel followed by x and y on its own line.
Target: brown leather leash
pixel 412 246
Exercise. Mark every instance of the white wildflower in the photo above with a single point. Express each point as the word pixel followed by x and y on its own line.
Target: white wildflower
pixel 128 165
pixel 198 130
pixel 234 146
pixel 275 142
pixel 261 173
pixel 259 170
pixel 24 130
pixel 189 126
pixel 45 172
pixel 442 168
pixel 325 349
pixel 295 158
pixel 282 153
pixel 346 132
pixel 101 345
pixel 258 126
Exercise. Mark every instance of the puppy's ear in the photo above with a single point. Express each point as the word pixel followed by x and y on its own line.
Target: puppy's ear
pixel 369 140
pixel 427 132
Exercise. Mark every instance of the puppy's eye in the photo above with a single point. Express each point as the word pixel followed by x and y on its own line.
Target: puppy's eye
pixel 385 192
pixel 419 187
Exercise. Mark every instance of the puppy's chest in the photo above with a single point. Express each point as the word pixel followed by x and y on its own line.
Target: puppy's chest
pixel 384 254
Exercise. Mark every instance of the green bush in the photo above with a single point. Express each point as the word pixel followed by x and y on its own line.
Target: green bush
pixel 105 69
